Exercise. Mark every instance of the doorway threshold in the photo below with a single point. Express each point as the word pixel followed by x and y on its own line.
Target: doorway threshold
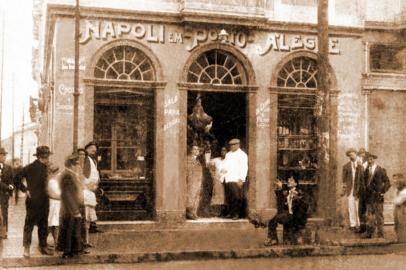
pixel 217 220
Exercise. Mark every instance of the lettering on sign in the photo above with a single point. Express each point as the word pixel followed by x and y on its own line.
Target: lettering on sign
pixel 349 126
pixel 69 64
pixel 262 113
pixel 155 33
pixel 283 43
pixel 108 29
pixel 64 90
pixel 171 110
pixel 199 36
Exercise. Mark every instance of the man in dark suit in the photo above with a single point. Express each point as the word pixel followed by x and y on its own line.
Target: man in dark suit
pixel 352 174
pixel 6 187
pixel 292 214
pixel 17 169
pixel 374 185
pixel 37 201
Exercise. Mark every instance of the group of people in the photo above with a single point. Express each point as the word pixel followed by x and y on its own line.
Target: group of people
pixel 58 203
pixel 228 172
pixel 365 184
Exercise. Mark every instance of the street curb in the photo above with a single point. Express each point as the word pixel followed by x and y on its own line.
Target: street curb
pixel 142 257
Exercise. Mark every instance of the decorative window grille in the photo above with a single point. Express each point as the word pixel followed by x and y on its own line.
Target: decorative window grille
pixel 125 63
pixel 298 73
pixel 216 67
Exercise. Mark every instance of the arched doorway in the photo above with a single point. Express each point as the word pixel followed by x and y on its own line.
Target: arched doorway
pixel 296 83
pixel 217 77
pixel 124 130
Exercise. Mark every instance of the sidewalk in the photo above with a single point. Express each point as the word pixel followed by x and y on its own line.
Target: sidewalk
pixel 204 239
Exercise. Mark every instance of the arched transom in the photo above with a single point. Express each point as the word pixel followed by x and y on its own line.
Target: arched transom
pixel 125 63
pixel 299 72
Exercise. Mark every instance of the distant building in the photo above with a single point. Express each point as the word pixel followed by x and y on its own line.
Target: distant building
pixel 253 63
pixel 25 143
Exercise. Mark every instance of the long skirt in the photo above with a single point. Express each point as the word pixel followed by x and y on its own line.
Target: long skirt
pixel 70 240
pixel 218 193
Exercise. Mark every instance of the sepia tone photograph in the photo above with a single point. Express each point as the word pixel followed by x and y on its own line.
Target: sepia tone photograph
pixel 203 134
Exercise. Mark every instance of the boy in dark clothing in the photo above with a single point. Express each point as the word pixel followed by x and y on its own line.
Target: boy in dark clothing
pixel 292 213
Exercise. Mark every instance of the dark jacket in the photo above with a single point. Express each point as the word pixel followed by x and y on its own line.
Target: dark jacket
pixel 6 179
pixel 374 187
pixel 70 197
pixel 299 207
pixel 347 178
pixel 36 175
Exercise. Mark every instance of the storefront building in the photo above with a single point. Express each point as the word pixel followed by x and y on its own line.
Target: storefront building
pixel 143 68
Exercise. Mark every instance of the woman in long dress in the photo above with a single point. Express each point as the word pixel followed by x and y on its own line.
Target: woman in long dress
pixel 70 240
pixel 217 171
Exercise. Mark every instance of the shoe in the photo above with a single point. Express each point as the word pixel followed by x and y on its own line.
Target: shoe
pixel 366 235
pixel 46 251
pixel 235 217
pixel 26 252
pixel 67 255
pixel 95 230
pixel 270 242
pixel 84 251
pixel 88 245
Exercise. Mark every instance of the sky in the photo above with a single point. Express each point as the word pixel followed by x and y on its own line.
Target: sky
pixel 17 75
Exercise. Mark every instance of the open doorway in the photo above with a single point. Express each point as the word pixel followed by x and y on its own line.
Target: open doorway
pixel 225 114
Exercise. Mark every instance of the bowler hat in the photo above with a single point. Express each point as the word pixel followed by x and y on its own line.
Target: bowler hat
pixel 3 151
pixel 90 144
pixel 351 150
pixel 234 141
pixel 371 155
pixel 43 151
pixel 361 151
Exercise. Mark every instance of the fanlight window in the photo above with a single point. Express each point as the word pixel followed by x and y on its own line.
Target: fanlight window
pixel 216 67
pixel 125 63
pixel 299 73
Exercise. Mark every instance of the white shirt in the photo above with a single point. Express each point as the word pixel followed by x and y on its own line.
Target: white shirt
pixel 236 164
pixel 219 166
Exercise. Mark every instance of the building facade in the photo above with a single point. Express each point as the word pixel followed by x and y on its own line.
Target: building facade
pixel 252 64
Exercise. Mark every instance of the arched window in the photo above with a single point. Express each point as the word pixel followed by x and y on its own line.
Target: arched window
pixel 300 72
pixel 216 67
pixel 125 63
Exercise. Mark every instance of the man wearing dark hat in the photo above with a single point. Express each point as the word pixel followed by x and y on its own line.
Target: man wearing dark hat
pixel 236 167
pixel 6 187
pixel 37 202
pixel 92 175
pixel 352 174
pixel 375 184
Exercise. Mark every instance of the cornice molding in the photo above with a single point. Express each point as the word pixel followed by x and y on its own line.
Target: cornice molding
pixel 254 21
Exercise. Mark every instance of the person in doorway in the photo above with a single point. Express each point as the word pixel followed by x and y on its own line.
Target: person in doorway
pixel 236 169
pixel 194 180
pixel 218 171
pixel 92 176
pixel 6 187
pixel 70 241
pixel 37 201
pixel 17 169
pixel 352 174
pixel 292 214
pixel 54 193
pixel 375 184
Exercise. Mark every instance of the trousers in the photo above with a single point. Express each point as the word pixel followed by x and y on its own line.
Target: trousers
pixel 353 206
pixel 235 199
pixel 374 218
pixel 40 219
